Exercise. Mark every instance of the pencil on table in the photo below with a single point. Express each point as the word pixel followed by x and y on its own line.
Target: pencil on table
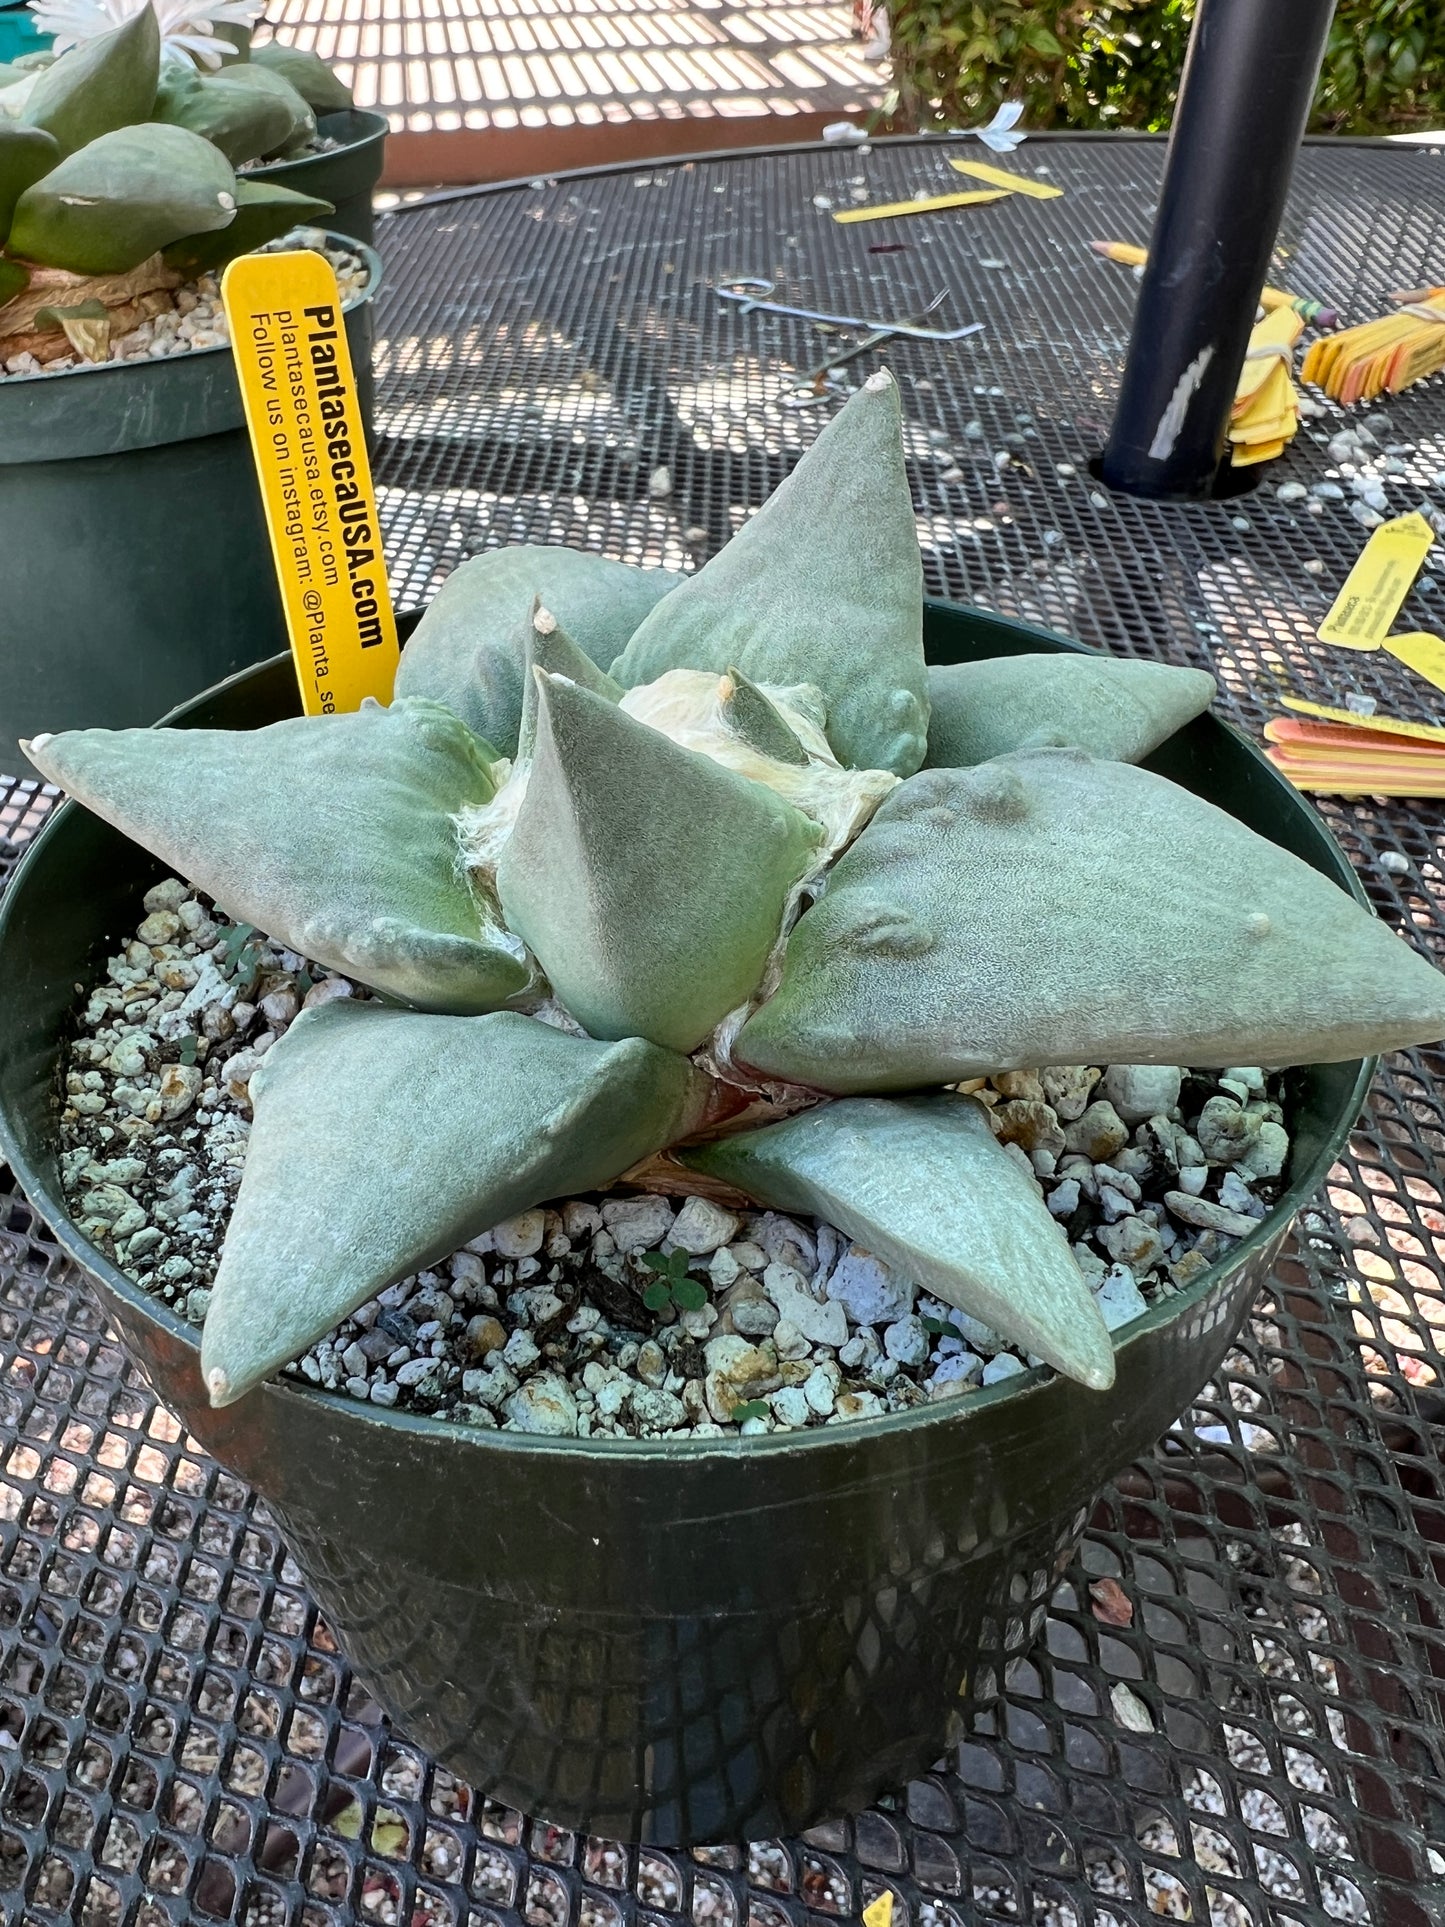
pixel 1129 256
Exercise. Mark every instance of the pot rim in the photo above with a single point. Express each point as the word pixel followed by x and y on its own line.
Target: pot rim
pixel 377 126
pixel 1034 1382
pixel 375 281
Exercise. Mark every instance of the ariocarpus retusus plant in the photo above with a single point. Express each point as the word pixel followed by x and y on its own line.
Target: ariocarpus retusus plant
pixel 719 867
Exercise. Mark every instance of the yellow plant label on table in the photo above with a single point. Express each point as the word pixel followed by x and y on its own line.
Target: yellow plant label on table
pixel 304 416
pixel 1000 177
pixel 1391 725
pixel 930 204
pixel 1377 585
pixel 1422 652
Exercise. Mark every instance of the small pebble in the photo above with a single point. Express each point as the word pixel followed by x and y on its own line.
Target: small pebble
pixel 637 1224
pixel 1133 1241
pixel 521 1236
pixel 1225 1130
pixel 546 1405
pixel 1001 1366
pixel 1119 1298
pixel 752 1312
pixel 790 1407
pixel 1064 1198
pixel 1207 1215
pixel 862 1350
pixel 1114 1204
pixel 1140 1091
pixel 820 1388
pixel 955 1374
pixel 825 1324
pixel 1129 1710
pixel 1235 1195
pixel 907 1341
pixel 701 1227
pixel 657 1410
pixel 1098 1133
pixel 521 1352
pixel 869 1292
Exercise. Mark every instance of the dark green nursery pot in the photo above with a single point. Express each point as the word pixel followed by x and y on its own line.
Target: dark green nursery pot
pixel 667 1641
pixel 346 177
pixel 135 568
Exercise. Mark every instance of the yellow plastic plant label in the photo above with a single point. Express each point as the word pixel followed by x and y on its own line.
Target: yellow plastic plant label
pixel 1333 781
pixel 879 1912
pixel 1422 652
pixel 1378 584
pixel 889 210
pixel 1391 725
pixel 306 430
pixel 1000 177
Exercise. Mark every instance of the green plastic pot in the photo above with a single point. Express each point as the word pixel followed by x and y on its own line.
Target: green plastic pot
pixel 135 568
pixel 346 177
pixel 673 1641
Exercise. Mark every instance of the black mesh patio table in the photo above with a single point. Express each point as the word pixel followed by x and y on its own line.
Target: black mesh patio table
pixel 1238 1714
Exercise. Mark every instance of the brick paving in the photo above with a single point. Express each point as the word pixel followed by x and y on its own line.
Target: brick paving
pixel 502 66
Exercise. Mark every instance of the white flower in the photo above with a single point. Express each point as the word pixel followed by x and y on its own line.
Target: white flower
pixel 186 25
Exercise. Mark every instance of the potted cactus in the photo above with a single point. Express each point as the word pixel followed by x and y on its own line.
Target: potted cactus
pixel 343 163
pixel 126 484
pixel 712 890
pixel 326 149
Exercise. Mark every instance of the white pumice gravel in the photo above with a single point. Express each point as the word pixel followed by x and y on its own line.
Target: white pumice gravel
pixel 539 1324
pixel 322 144
pixel 197 320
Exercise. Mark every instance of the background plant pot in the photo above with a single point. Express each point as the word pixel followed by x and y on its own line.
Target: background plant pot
pixel 347 177
pixel 677 1641
pixel 135 567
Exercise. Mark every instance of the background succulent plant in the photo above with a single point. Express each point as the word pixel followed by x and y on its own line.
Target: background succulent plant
pixel 118 158
pixel 650 867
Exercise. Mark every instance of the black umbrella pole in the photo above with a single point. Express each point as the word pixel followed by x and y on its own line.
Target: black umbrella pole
pixel 1244 99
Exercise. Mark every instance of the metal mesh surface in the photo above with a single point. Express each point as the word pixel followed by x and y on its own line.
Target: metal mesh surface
pixel 1239 1712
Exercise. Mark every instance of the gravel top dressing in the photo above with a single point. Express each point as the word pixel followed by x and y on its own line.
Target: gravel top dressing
pixel 322 144
pixel 174 320
pixel 629 1314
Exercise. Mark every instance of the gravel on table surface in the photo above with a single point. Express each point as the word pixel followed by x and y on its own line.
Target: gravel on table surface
pixel 570 1320
pixel 174 321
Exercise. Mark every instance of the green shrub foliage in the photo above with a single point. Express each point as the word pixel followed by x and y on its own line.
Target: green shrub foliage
pixel 1118 64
